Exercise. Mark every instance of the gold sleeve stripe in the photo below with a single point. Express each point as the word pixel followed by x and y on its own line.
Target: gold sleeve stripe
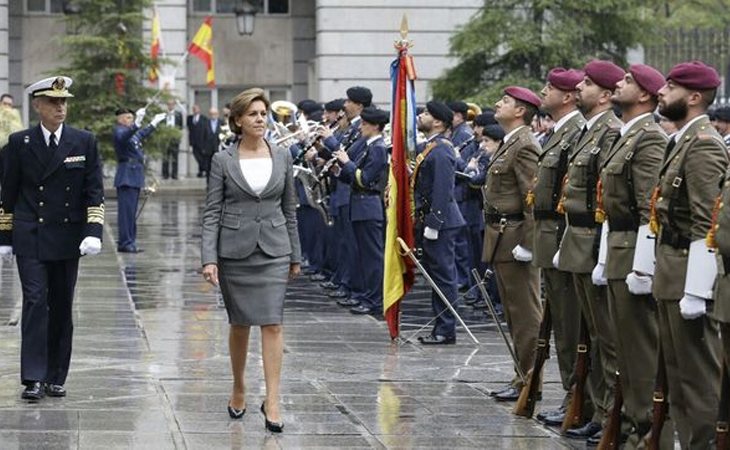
pixel 6 221
pixel 95 214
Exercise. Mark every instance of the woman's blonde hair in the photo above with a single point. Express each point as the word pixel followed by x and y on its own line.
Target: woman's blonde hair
pixel 241 103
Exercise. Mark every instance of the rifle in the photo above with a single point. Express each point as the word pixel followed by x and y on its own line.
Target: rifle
pixel 611 438
pixel 652 438
pixel 721 430
pixel 574 411
pixel 528 395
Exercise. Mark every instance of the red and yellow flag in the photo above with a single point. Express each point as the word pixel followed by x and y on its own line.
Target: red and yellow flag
pixel 398 272
pixel 155 47
pixel 202 47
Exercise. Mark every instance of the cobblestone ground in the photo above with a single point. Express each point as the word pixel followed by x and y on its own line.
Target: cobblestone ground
pixel 150 364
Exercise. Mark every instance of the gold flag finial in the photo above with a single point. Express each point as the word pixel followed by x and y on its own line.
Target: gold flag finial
pixel 403 43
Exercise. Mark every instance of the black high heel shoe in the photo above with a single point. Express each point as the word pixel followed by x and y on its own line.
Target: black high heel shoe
pixel 236 413
pixel 274 427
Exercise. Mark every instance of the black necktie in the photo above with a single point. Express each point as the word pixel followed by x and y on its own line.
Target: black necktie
pixel 582 133
pixel 52 142
pixel 669 149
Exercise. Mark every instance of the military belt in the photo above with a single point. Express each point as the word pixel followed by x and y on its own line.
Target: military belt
pixel 675 240
pixel 582 220
pixel 622 224
pixel 497 218
pixel 547 214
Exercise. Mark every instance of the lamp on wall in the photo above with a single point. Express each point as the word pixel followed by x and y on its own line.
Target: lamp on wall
pixel 245 15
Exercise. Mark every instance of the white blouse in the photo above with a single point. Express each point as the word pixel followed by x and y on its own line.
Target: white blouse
pixel 257 172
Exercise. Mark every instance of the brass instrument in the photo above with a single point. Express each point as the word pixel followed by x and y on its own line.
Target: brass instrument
pixel 472 111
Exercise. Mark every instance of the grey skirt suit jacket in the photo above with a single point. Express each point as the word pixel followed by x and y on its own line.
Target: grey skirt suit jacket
pixel 251 237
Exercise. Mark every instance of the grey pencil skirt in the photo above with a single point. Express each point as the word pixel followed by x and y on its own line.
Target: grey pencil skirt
pixel 253 288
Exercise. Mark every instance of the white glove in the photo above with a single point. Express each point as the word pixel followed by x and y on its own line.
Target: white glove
pixel 639 284
pixel 139 117
pixel 521 254
pixel 644 259
pixel 6 252
pixel 90 246
pixel 430 234
pixel 692 307
pixel 598 276
pixel 157 119
pixel 556 259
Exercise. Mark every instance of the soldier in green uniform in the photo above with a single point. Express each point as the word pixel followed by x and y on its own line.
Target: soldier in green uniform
pixel 509 227
pixel 629 173
pixel 558 100
pixel 578 249
pixel 689 181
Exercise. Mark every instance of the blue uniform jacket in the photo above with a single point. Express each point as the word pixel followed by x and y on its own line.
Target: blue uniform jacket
pixel 130 155
pixel 295 149
pixel 434 188
pixel 363 173
pixel 351 139
pixel 460 134
pixel 50 202
pixel 472 206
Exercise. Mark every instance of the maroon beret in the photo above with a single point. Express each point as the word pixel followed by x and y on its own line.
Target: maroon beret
pixel 604 73
pixel 523 94
pixel 565 79
pixel 650 79
pixel 694 75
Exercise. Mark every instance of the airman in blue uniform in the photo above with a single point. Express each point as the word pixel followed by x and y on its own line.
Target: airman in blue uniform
pixel 438 219
pixel 462 138
pixel 128 137
pixel 364 171
pixel 351 141
pixel 51 213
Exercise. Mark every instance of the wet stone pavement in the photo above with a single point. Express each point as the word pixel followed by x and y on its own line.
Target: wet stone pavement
pixel 150 365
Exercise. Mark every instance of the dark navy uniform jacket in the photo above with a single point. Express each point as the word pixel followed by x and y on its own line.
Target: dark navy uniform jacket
pixel 295 150
pixel 130 155
pixel 434 188
pixel 363 173
pixel 51 199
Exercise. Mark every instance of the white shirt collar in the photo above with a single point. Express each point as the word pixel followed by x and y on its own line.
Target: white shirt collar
pixel 680 133
pixel 627 126
pixel 512 133
pixel 592 121
pixel 563 120
pixel 47 134
pixel 355 120
pixel 374 138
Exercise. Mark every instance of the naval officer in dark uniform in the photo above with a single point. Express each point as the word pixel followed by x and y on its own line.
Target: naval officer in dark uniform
pixel 51 213
pixel 128 137
pixel 364 171
pixel 438 219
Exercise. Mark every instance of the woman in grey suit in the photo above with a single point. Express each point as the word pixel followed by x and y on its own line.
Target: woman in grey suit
pixel 250 244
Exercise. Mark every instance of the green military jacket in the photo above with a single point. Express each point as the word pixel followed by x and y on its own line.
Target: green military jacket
pixel 689 183
pixel 510 174
pixel 629 173
pixel 546 191
pixel 578 250
pixel 721 310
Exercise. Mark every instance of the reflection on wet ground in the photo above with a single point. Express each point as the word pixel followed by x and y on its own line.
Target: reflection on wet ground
pixel 150 364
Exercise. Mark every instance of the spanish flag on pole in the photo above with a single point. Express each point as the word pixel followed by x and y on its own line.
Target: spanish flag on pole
pixel 155 47
pixel 202 47
pixel 398 272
